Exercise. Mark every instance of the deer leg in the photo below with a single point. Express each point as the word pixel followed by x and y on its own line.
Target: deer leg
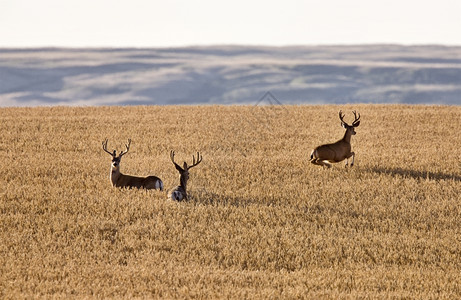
pixel 352 154
pixel 327 164
pixel 315 162
pixel 353 157
pixel 318 162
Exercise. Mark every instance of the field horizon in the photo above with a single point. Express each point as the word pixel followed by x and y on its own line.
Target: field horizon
pixel 262 222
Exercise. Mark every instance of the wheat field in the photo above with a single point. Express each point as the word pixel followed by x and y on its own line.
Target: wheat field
pixel 261 221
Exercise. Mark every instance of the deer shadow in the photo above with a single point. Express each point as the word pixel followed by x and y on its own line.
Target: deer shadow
pixel 416 174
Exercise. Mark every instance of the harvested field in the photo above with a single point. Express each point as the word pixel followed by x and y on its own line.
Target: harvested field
pixel 261 221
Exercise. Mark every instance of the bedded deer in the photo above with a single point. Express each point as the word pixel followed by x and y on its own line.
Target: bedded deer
pixel 121 180
pixel 179 193
pixel 326 154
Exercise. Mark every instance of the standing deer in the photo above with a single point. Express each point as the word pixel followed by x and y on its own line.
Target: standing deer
pixel 332 153
pixel 179 193
pixel 121 180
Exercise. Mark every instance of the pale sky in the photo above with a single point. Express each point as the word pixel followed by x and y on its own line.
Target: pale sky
pixel 143 23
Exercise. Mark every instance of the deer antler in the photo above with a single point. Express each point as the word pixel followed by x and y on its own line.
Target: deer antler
pixel 104 147
pixel 127 148
pixel 175 164
pixel 172 156
pixel 341 116
pixel 356 119
pixel 199 160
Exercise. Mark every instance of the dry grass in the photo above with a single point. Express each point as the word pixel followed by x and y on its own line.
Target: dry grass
pixel 262 221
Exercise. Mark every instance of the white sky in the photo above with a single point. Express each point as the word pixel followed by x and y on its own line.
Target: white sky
pixel 162 23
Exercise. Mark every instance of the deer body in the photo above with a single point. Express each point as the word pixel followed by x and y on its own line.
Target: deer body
pixel 179 193
pixel 326 154
pixel 122 180
pixel 128 181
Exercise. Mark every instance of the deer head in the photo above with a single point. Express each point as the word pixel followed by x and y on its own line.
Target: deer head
pixel 350 128
pixel 116 159
pixel 184 171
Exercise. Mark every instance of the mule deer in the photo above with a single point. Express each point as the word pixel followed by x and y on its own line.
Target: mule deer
pixel 179 193
pixel 332 153
pixel 121 180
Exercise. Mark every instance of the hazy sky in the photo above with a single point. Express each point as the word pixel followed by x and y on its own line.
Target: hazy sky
pixel 144 23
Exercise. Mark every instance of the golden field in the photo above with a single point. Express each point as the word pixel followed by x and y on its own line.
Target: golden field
pixel 261 222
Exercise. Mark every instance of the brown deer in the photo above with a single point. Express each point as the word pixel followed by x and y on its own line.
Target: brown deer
pixel 121 180
pixel 179 193
pixel 332 153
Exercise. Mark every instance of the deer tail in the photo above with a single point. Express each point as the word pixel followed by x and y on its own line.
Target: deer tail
pixel 312 154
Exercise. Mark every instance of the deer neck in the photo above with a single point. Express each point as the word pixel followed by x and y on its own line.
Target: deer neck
pixel 347 136
pixel 183 181
pixel 114 175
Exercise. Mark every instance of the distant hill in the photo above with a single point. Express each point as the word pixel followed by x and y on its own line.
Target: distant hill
pixel 231 75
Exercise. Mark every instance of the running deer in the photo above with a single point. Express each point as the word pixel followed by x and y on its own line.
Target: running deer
pixel 332 153
pixel 121 180
pixel 179 193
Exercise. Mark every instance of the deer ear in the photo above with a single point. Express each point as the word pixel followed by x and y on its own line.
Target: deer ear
pixel 357 124
pixel 343 125
pixel 185 166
